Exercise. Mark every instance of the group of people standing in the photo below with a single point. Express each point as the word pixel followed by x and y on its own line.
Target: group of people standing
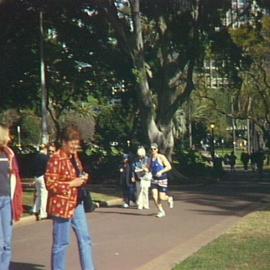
pixel 142 173
pixel 255 159
pixel 60 181
pixel 65 180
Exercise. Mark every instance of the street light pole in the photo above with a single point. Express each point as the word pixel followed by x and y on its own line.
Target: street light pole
pixel 189 125
pixel 248 137
pixel 19 136
pixel 212 126
pixel 45 135
pixel 222 145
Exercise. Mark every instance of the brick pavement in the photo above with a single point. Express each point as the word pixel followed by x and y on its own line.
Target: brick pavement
pixel 129 239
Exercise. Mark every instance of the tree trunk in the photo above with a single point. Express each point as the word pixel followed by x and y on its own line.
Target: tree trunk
pixel 157 117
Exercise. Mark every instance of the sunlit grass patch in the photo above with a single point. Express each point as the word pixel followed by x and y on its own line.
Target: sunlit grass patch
pixel 245 246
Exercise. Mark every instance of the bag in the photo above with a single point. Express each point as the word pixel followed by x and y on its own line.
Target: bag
pixel 147 177
pixel 86 198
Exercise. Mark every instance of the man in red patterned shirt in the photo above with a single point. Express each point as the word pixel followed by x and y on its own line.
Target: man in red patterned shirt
pixel 64 179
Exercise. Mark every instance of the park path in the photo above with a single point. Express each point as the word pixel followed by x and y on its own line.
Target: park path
pixel 129 239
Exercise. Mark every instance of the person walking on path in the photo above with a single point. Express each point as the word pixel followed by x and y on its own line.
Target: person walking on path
pixel 10 197
pixel 159 166
pixel 143 176
pixel 64 178
pixel 127 182
pixel 252 161
pixel 40 164
pixel 232 160
pixel 245 159
pixel 259 160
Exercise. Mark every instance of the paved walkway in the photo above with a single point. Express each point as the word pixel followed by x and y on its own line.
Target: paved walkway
pixel 129 239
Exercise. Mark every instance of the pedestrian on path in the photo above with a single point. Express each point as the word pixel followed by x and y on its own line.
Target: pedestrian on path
pixel 10 197
pixel 245 159
pixel 252 161
pixel 40 165
pixel 259 160
pixel 143 177
pixel 232 160
pixel 127 182
pixel 159 166
pixel 64 180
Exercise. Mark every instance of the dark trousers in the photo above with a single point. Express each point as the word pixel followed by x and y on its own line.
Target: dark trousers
pixel 129 193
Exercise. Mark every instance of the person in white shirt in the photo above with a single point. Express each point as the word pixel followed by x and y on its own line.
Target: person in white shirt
pixel 143 178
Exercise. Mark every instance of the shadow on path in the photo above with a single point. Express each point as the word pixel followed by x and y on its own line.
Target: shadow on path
pixel 26 266
pixel 124 212
pixel 234 194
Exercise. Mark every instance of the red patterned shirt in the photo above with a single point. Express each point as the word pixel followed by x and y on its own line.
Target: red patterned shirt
pixel 63 199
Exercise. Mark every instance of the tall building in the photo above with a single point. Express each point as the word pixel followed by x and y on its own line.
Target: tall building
pixel 242 12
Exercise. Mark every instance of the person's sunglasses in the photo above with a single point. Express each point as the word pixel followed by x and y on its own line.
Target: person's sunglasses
pixel 153 149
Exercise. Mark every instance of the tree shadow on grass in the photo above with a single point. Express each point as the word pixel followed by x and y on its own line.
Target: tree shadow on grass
pixel 26 266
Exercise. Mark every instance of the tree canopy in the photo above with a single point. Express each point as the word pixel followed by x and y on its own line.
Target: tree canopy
pixel 147 55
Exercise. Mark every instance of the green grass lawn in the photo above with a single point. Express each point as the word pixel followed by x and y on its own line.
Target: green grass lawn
pixel 244 247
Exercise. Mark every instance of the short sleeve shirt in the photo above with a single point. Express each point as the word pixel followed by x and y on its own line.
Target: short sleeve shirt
pixel 4 175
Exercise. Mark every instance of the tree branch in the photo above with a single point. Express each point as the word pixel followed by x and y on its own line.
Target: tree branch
pixel 108 9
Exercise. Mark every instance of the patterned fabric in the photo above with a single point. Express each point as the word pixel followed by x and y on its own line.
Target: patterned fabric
pixel 62 198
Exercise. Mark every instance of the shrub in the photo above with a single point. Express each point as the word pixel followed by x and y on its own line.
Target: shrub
pixel 191 163
pixel 103 164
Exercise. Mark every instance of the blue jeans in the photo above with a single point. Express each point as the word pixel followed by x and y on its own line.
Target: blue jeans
pixel 61 240
pixel 5 232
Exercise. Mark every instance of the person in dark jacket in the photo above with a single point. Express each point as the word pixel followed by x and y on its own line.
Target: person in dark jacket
pixel 40 165
pixel 127 182
pixel 259 160
pixel 232 160
pixel 245 159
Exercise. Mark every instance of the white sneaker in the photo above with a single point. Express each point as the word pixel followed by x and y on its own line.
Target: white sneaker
pixel 170 202
pixel 161 214
pixel 125 205
pixel 133 204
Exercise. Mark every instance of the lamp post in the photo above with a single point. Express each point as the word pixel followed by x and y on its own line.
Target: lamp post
pixel 212 126
pixel 19 136
pixel 45 135
pixel 222 145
